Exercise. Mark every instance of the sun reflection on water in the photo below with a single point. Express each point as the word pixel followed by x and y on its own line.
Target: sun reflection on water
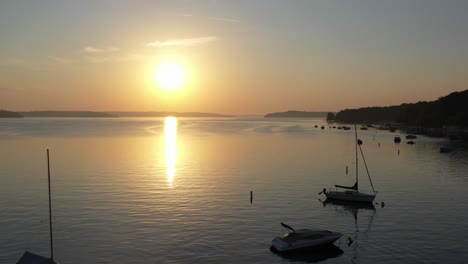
pixel 170 131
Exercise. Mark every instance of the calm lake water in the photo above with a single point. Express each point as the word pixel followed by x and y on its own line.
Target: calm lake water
pixel 155 190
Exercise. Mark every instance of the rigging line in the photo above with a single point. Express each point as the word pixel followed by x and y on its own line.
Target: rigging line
pixel 365 164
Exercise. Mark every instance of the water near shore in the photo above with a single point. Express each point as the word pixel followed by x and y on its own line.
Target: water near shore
pixel 155 190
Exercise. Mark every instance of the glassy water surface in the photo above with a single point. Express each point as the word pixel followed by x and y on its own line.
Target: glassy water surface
pixel 155 190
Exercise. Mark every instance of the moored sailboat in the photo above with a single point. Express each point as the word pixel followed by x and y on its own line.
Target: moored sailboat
pixel 31 258
pixel 352 193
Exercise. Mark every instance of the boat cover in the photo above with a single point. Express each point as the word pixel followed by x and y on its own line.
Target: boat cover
pixel 354 187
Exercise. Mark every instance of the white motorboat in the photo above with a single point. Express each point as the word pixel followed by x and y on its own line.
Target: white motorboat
pixel 303 239
pixel 352 194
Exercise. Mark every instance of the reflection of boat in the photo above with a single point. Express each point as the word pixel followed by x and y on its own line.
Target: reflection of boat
pixel 350 206
pixel 311 255
pixel 359 236
pixel 31 258
pixel 346 127
pixel 445 148
pixel 410 142
pixel 363 128
pixel 303 239
pixel 352 193
pixel 397 139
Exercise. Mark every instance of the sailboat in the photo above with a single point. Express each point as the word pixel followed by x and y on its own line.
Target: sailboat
pixel 352 193
pixel 31 258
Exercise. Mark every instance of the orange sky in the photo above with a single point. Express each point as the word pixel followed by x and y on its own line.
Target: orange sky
pixel 241 57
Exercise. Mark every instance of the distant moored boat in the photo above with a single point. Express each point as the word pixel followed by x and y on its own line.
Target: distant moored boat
pixel 445 148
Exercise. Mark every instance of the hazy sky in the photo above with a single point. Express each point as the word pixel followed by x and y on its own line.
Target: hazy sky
pixel 242 57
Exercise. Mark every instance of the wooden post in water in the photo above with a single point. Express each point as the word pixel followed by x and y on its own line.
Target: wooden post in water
pixel 50 211
pixel 251 196
pixel 346 169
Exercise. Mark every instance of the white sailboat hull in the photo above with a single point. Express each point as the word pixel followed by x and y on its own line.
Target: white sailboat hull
pixel 352 196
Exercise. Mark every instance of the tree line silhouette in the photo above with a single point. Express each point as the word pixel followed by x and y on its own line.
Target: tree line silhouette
pixel 445 111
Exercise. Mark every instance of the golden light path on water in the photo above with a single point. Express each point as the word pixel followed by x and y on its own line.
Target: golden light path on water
pixel 170 131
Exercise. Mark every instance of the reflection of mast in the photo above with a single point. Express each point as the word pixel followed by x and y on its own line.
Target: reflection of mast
pixel 354 208
pixel 357 237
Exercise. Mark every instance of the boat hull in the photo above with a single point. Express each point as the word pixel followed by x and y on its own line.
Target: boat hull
pixel 350 196
pixel 279 244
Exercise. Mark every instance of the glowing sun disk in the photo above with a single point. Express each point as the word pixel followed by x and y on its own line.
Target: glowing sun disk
pixel 170 76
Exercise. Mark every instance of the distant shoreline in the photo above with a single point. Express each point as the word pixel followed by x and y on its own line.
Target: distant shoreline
pixel 92 114
pixel 297 114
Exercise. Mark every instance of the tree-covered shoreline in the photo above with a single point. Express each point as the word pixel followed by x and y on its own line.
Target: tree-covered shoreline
pixel 450 110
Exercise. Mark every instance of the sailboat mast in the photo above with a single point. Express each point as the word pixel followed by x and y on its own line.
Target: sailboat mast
pixel 50 211
pixel 355 141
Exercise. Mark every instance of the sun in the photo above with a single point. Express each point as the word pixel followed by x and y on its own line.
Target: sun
pixel 170 75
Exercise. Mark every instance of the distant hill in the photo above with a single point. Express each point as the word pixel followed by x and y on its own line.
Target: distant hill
pixel 4 113
pixel 164 114
pixel 66 114
pixel 448 110
pixel 298 114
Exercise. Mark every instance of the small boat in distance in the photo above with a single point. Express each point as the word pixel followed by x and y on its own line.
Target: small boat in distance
pixel 352 193
pixel 303 239
pixel 445 148
pixel 410 136
pixel 397 139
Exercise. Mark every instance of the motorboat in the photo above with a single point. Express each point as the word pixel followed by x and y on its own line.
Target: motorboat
pixel 303 239
pixel 397 139
pixel 445 148
pixel 352 193
pixel 410 136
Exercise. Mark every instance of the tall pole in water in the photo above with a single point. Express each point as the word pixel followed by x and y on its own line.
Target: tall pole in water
pixel 50 211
